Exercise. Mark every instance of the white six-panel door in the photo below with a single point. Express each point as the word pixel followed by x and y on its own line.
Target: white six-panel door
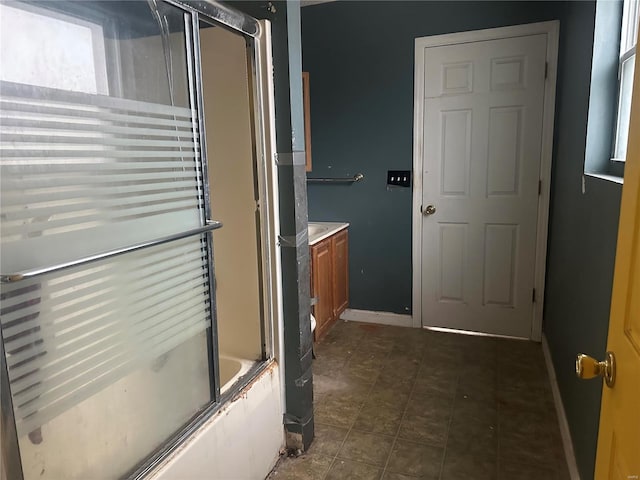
pixel 482 144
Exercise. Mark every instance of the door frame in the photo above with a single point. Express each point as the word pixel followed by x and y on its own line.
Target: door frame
pixel 552 30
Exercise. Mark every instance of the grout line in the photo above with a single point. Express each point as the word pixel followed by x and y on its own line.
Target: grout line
pixel 446 439
pixel 342 368
pixel 355 418
pixel 363 462
pixel 406 407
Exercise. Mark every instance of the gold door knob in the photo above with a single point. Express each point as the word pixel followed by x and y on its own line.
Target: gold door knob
pixel 588 367
pixel 428 210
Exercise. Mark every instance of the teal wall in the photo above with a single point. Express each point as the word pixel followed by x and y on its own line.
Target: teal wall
pixel 360 59
pixel 582 242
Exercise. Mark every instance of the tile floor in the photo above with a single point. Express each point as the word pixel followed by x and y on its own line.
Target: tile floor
pixel 399 404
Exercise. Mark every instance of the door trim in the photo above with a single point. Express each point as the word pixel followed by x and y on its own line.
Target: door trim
pixel 551 29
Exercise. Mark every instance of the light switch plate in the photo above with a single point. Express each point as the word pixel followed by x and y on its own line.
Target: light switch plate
pixel 399 178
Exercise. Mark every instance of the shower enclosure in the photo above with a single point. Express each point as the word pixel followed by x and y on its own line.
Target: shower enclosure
pixel 132 135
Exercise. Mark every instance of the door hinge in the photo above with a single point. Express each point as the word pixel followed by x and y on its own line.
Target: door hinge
pixel 533 297
pixel 539 187
pixel 546 70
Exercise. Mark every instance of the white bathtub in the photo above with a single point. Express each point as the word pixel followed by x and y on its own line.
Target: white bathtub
pixel 249 427
pixel 231 369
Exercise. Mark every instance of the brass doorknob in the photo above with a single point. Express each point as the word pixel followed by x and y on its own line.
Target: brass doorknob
pixel 428 210
pixel 588 367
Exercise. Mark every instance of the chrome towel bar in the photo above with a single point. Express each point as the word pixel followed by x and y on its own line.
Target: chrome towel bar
pixel 356 178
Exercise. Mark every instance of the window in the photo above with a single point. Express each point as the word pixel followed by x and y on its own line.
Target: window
pixel 108 299
pixel 628 41
pixel 45 41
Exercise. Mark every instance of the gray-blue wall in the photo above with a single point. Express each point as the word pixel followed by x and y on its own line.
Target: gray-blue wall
pixel 360 59
pixel 582 242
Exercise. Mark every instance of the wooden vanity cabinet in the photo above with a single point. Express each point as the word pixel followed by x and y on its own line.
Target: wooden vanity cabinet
pixel 340 255
pixel 330 280
pixel 321 288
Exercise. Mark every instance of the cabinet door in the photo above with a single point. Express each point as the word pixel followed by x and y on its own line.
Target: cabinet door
pixel 322 291
pixel 340 249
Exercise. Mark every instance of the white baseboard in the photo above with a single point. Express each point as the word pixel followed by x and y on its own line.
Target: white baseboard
pixel 381 318
pixel 562 416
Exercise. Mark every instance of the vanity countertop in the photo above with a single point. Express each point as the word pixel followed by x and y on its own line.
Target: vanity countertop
pixel 318 231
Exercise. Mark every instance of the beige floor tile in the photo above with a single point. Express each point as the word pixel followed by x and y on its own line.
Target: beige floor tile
pixel 348 469
pixel 368 448
pixel 403 404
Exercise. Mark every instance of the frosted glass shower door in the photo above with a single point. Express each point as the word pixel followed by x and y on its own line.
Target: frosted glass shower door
pixel 106 307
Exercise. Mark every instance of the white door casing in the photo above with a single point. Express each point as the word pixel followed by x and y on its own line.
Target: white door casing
pixel 483 133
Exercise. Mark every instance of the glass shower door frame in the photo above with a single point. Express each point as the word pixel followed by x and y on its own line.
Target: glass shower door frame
pixel 258 41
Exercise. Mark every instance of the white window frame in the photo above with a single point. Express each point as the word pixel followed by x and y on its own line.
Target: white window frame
pixel 628 39
pixel 97 38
